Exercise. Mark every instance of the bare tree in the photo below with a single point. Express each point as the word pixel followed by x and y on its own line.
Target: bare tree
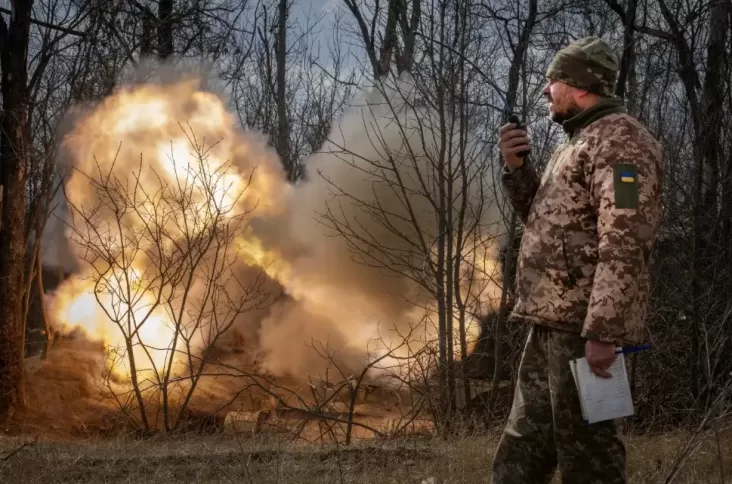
pixel 400 19
pixel 705 103
pixel 14 160
pixel 167 258
pixel 627 63
pixel 431 217
pixel 518 44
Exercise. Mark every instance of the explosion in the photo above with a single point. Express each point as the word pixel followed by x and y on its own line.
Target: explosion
pixel 189 237
pixel 160 189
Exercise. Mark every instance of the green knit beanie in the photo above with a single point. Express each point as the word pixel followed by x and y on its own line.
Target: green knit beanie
pixel 587 64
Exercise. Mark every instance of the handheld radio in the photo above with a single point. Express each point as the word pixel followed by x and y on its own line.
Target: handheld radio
pixel 512 118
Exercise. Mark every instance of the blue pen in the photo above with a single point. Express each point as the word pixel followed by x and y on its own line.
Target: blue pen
pixel 633 349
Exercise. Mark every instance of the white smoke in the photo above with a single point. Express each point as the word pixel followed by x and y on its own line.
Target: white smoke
pixel 366 214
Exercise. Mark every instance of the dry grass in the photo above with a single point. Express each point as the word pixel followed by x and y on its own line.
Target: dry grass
pixel 266 460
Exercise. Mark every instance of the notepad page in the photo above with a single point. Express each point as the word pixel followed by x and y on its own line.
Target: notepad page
pixel 604 398
pixel 573 367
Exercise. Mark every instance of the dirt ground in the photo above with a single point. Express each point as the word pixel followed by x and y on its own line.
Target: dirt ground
pixel 268 459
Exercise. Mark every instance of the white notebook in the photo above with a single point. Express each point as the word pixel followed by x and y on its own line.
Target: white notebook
pixel 603 398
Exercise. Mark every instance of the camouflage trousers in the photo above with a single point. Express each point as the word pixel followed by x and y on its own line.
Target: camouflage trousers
pixel 545 429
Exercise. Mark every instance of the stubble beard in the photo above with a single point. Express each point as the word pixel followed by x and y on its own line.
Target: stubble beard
pixel 560 117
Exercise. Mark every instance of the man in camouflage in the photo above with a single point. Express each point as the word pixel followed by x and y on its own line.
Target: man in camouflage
pixel 583 271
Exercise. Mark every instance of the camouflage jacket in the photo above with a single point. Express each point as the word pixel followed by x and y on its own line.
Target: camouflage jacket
pixel 590 224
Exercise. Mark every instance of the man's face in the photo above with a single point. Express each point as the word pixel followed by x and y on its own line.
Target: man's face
pixel 562 104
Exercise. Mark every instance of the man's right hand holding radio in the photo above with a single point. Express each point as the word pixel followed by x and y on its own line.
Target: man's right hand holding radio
pixel 511 142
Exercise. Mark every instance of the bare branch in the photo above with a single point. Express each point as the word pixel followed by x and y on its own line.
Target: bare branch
pixel 59 28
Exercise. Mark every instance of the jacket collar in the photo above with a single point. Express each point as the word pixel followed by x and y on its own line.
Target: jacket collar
pixel 603 108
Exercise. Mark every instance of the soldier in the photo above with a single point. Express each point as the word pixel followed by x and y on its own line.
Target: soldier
pixel 583 272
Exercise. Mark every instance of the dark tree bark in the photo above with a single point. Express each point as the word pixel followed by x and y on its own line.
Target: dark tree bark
pixel 14 140
pixel 147 41
pixel 409 28
pixel 283 129
pixel 165 29
pixel 627 61
pixel 390 39
pixel 708 220
pixel 706 113
pixel 712 104
pixel 381 63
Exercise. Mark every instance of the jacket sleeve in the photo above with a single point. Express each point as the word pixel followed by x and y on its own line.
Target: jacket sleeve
pixel 624 191
pixel 521 185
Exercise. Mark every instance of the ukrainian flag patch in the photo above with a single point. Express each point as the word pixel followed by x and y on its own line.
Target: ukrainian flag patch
pixel 625 185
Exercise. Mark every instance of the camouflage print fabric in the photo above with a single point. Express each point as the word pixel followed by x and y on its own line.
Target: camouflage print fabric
pixel 545 430
pixel 521 185
pixel 589 228
pixel 588 64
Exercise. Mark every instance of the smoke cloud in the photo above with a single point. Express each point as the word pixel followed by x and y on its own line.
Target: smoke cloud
pixel 344 261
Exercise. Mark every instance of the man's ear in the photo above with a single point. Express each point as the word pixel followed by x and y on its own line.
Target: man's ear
pixel 580 93
pixel 585 98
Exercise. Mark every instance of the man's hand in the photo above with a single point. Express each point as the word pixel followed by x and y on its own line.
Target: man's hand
pixel 512 141
pixel 600 356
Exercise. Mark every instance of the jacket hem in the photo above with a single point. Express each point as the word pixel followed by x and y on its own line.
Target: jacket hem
pixel 573 327
pixel 570 327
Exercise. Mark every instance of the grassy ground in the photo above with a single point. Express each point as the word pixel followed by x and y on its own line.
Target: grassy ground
pixel 265 460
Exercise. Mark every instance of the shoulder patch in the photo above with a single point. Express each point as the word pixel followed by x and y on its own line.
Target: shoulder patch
pixel 625 185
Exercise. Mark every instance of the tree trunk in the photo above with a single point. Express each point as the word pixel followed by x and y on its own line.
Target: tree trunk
pixel 382 63
pixel 706 115
pixel 627 62
pixel 409 34
pixel 390 39
pixel 509 269
pixel 165 29
pixel 459 98
pixel 707 188
pixel 147 39
pixel 41 291
pixel 283 129
pixel 13 164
